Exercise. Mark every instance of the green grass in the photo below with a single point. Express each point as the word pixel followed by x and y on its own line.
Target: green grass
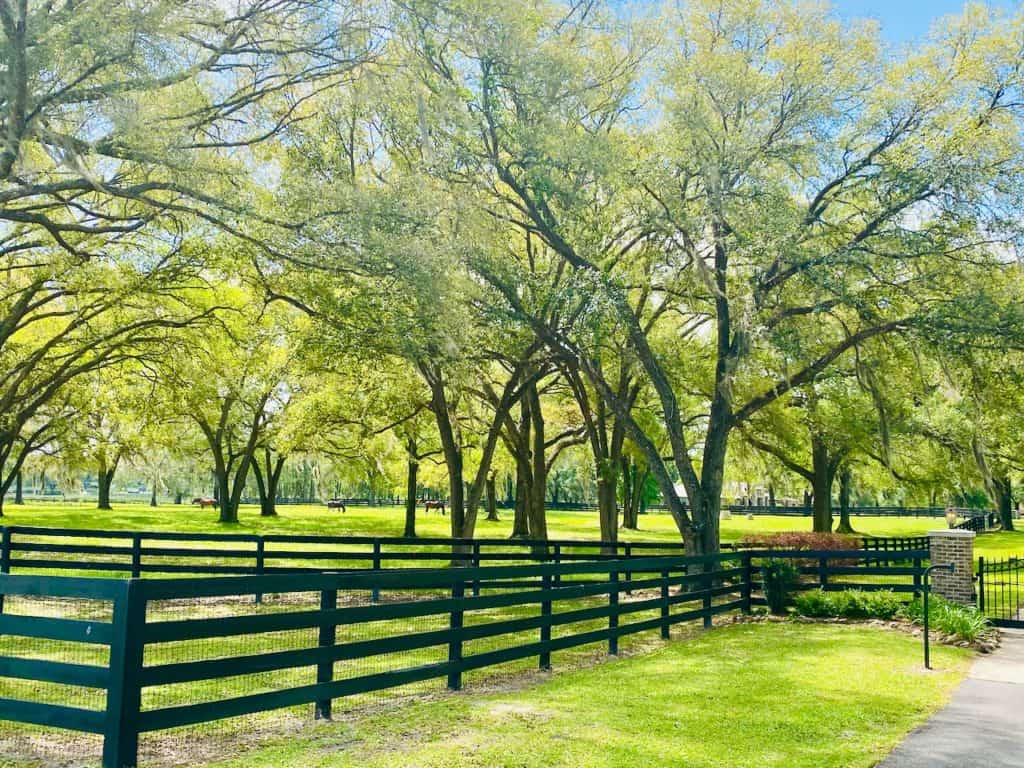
pixel 764 695
pixel 388 521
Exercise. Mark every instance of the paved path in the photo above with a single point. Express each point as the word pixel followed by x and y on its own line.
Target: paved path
pixel 983 725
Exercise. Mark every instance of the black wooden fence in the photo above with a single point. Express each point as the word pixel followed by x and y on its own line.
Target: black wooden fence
pixel 138 553
pixel 523 612
pixel 979 523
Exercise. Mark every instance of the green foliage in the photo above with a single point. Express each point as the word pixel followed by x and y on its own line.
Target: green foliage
pixel 850 604
pixel 779 577
pixel 959 621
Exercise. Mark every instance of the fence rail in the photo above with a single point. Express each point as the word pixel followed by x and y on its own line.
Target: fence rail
pixel 436 624
pixel 141 553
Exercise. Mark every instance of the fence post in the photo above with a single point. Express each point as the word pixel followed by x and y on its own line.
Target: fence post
pixel 709 583
pixel 629 574
pixel 664 606
pixel 917 577
pixel 261 557
pixel 455 643
pixel 5 557
pixel 981 584
pixel 613 614
pixel 558 560
pixel 328 636
pixel 823 572
pixel 136 556
pixel 375 594
pixel 124 692
pixel 748 583
pixel 476 564
pixel 545 627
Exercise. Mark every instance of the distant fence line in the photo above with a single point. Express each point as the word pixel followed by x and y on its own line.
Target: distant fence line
pixel 146 654
pixel 137 553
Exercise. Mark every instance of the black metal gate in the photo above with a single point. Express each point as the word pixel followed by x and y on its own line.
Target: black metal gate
pixel 1000 593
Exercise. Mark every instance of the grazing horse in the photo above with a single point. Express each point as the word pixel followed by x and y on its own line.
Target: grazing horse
pixel 429 505
pixel 204 502
pixel 336 504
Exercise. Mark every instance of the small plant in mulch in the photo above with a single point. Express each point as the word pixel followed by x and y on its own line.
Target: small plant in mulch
pixel 953 623
pixel 949 623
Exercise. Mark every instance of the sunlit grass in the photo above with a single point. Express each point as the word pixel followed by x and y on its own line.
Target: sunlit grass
pixel 388 521
pixel 760 695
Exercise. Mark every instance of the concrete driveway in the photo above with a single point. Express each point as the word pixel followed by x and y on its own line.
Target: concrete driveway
pixel 983 725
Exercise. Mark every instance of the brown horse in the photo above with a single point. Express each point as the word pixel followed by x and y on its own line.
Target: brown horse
pixel 429 505
pixel 336 504
pixel 204 502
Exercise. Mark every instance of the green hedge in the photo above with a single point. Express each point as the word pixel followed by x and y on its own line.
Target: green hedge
pixel 852 604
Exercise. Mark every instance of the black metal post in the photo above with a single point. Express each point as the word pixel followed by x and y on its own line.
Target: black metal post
pixel 951 567
pixel 981 584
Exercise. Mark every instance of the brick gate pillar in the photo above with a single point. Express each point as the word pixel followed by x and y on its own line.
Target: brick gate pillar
pixel 957 547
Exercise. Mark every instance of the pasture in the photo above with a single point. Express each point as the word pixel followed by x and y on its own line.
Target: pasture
pixel 388 521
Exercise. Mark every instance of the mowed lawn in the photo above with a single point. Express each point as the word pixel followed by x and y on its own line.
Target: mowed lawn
pixel 388 521
pixel 788 695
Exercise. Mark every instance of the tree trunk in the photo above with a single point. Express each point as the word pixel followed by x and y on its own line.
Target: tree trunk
pixel 228 511
pixel 273 483
pixel 412 472
pixel 844 502
pixel 1004 498
pixel 267 478
pixel 152 495
pixel 492 500
pixel 105 478
pixel 639 504
pixel 19 497
pixel 261 488
pixel 821 486
pixel 607 510
pixel 771 494
pixel 539 472
pixel 627 493
pixel 521 515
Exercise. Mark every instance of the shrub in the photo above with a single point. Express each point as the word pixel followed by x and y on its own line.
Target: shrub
pixel 779 576
pixel 960 621
pixel 815 604
pixel 851 604
pixel 804 541
pixel 798 540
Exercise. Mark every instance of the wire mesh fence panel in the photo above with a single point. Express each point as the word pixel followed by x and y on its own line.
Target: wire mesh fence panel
pixel 54 668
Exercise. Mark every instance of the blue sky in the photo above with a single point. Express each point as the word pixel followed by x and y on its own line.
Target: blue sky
pixel 905 20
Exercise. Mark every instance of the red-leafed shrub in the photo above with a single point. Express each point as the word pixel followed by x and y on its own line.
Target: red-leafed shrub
pixel 798 540
pixel 829 542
